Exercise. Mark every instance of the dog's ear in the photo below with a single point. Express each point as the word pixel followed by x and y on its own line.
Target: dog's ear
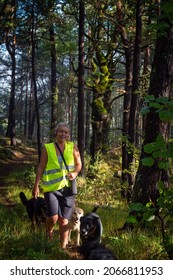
pixel 81 218
pixel 95 216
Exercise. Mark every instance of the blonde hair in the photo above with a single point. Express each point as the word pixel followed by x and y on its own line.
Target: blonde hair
pixel 61 124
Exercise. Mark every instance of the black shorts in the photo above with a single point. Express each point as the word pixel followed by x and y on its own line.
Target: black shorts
pixel 59 203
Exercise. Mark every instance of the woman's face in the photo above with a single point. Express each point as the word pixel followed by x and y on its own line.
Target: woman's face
pixel 62 134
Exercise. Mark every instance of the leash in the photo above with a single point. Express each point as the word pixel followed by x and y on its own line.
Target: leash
pixel 66 167
pixel 62 156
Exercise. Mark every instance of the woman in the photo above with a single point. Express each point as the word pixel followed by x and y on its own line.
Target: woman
pixel 56 180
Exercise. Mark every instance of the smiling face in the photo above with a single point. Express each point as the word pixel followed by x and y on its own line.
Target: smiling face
pixel 62 133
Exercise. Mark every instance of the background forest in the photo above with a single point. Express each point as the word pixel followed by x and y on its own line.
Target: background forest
pixel 106 68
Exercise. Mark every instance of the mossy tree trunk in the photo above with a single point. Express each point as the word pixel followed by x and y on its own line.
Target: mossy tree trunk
pixel 102 93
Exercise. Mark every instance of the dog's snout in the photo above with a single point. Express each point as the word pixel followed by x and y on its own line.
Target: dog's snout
pixel 83 232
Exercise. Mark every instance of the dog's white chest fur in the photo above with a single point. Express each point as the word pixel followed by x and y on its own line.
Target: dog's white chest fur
pixel 74 225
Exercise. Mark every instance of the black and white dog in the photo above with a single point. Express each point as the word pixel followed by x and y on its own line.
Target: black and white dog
pixel 91 227
pixel 90 233
pixel 36 209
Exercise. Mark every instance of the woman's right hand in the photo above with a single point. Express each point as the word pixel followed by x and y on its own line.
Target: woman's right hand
pixel 35 192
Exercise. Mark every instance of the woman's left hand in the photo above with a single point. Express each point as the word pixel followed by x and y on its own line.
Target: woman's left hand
pixel 72 175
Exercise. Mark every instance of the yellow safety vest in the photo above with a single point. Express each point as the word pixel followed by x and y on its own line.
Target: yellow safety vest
pixel 55 176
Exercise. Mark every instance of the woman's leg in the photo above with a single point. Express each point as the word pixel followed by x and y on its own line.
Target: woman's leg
pixel 51 211
pixel 63 232
pixel 50 222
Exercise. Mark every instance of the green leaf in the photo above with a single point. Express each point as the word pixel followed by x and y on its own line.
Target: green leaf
pixel 136 206
pixel 162 99
pixel 160 138
pixel 149 98
pixel 157 154
pixel 148 161
pixel 149 204
pixel 170 104
pixel 149 148
pixel 145 110
pixel 131 219
pixel 171 150
pixel 155 105
pixel 166 116
pixel 164 165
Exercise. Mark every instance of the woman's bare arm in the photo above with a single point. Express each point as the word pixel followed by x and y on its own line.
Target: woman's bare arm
pixel 40 170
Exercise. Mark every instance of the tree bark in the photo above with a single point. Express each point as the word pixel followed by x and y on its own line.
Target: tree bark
pixel 147 178
pixel 100 103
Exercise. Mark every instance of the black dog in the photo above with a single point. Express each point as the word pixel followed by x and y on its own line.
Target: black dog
pixel 91 227
pixel 36 209
pixel 96 251
pixel 90 234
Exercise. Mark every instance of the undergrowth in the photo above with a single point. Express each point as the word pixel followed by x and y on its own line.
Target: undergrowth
pixel 100 186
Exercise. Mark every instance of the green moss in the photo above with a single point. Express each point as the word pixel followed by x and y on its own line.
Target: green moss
pixel 99 106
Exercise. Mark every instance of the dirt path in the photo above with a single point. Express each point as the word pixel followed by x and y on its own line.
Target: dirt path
pixel 13 159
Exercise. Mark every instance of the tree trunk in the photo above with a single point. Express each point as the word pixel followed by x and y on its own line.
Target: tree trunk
pixel 11 46
pixel 34 84
pixel 54 89
pixel 145 188
pixel 81 136
pixel 11 130
pixel 134 99
pixel 128 48
pixel 126 114
pixel 88 115
pixel 101 103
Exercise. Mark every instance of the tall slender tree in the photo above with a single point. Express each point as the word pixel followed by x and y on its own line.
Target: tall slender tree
pixel 135 88
pixel 128 50
pixel 11 48
pixel 81 136
pixel 54 87
pixel 33 59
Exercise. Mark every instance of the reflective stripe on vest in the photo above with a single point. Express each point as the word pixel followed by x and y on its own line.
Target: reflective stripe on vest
pixel 54 177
